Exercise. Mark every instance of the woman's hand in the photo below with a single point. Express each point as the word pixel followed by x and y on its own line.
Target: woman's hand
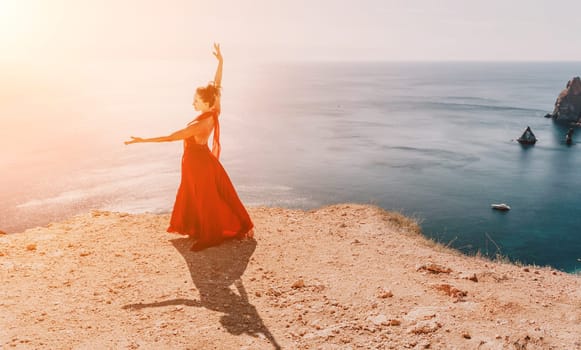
pixel 217 52
pixel 134 140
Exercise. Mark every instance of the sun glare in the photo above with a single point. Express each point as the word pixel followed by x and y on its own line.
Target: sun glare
pixel 20 27
pixel 12 19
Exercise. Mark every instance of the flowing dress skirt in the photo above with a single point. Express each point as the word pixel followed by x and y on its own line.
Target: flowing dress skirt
pixel 207 206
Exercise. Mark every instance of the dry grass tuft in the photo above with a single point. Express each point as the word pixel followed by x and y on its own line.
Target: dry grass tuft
pixel 403 223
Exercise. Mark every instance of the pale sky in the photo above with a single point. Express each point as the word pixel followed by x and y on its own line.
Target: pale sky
pixel 378 30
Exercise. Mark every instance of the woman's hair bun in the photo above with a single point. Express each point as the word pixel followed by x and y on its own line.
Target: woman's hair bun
pixel 209 93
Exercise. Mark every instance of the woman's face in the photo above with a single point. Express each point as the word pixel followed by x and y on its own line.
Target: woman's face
pixel 199 104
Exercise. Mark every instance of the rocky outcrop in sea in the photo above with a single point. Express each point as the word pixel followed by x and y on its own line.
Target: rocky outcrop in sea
pixel 568 104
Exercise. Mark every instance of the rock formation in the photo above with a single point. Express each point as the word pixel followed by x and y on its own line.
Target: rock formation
pixel 568 104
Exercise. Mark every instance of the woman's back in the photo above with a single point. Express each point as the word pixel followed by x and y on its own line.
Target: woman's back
pixel 204 127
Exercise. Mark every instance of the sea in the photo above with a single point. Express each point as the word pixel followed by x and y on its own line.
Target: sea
pixel 432 140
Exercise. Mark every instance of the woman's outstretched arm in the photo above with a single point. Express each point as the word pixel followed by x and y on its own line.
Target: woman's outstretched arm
pixel 218 76
pixel 199 127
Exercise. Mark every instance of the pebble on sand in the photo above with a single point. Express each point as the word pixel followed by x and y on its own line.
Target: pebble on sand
pixel 299 284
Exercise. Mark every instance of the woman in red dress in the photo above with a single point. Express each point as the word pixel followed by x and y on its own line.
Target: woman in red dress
pixel 207 206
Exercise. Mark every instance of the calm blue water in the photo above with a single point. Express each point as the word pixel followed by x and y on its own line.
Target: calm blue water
pixel 432 140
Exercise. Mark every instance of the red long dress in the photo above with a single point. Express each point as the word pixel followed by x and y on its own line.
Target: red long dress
pixel 207 206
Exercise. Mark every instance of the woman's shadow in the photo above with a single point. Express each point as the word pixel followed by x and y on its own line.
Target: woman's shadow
pixel 213 271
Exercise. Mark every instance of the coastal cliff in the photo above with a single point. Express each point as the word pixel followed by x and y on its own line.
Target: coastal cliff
pixel 345 276
pixel 568 103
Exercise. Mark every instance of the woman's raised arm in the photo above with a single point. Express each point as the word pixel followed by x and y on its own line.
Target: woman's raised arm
pixel 218 76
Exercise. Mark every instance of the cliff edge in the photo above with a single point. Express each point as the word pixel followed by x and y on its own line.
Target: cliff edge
pixel 340 277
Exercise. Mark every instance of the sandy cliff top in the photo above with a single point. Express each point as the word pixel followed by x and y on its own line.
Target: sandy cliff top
pixel 340 277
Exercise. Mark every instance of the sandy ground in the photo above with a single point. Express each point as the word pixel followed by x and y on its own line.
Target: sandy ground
pixel 340 277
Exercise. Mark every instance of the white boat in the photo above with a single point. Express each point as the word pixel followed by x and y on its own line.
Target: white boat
pixel 501 206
